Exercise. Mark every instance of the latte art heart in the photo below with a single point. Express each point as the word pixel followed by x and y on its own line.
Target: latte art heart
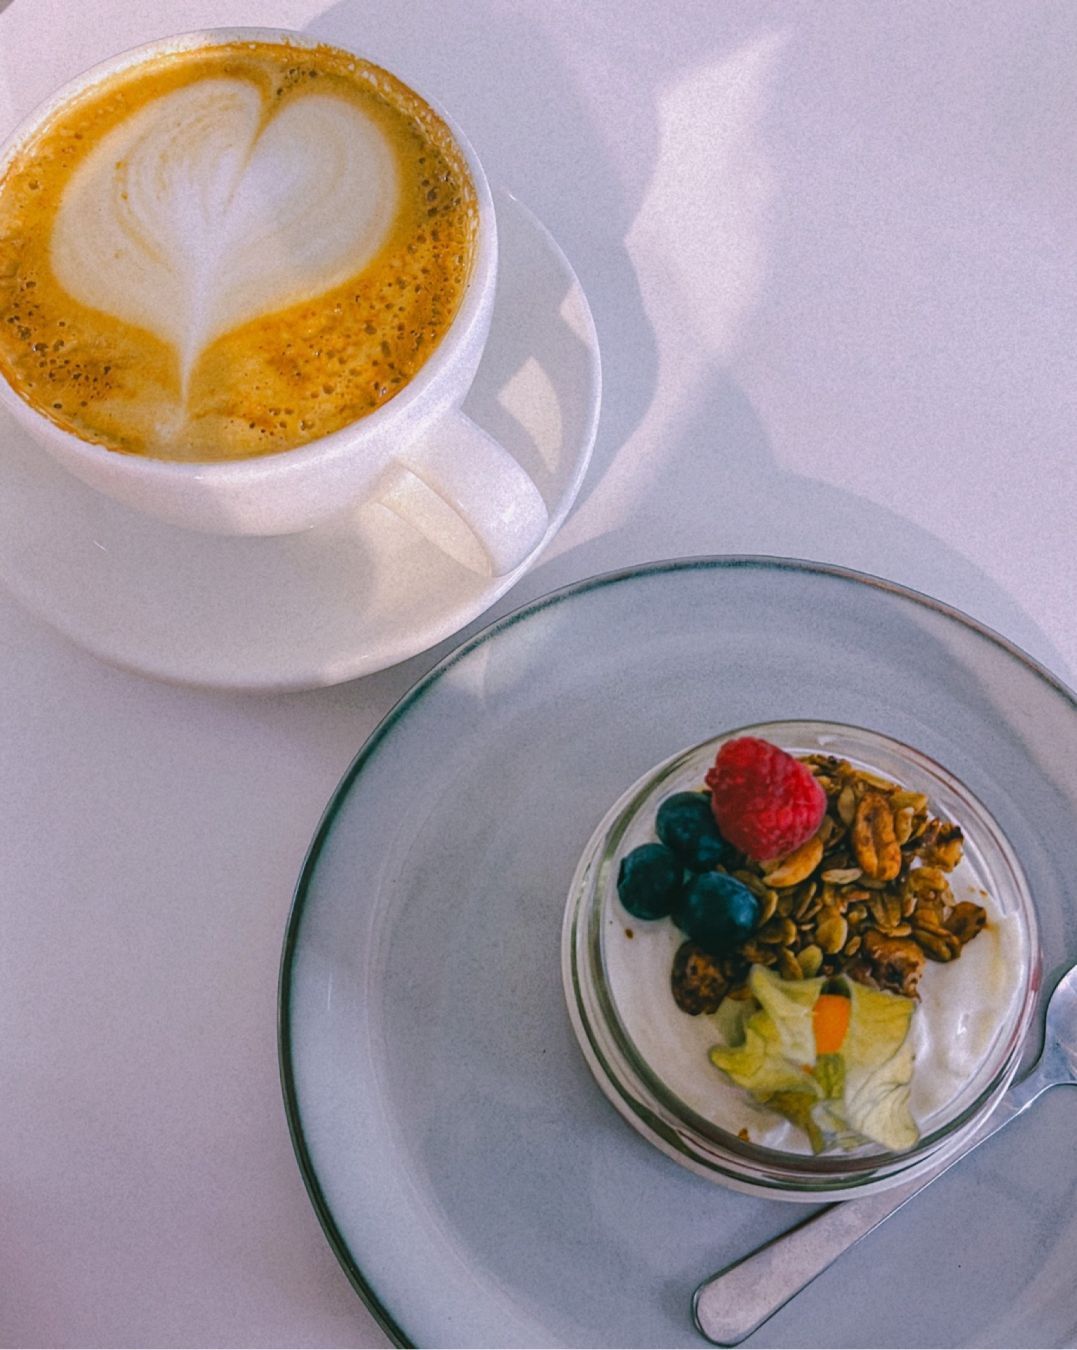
pixel 196 214
pixel 230 250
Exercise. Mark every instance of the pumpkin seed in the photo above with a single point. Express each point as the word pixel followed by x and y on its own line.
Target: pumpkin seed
pixel 840 876
pixel 831 932
pixel 780 932
pixel 810 958
pixel 934 945
pixel 847 805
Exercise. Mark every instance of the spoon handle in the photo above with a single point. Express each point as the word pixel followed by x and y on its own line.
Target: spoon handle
pixel 730 1305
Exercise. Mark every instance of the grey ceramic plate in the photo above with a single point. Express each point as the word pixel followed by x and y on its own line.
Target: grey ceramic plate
pixel 475 1184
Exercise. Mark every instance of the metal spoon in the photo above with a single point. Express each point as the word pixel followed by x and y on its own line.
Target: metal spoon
pixel 733 1303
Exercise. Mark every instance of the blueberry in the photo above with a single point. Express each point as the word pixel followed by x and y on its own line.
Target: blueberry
pixel 649 881
pixel 716 911
pixel 686 823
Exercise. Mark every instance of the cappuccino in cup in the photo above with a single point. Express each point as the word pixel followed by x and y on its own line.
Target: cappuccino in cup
pixel 229 251
pixel 246 282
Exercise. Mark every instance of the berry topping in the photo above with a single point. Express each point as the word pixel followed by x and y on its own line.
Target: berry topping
pixel 649 881
pixel 766 803
pixel 686 823
pixel 716 911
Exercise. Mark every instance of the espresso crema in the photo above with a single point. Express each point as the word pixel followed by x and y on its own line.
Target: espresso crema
pixel 230 251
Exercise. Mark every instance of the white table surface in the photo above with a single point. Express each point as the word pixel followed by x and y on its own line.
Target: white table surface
pixel 831 251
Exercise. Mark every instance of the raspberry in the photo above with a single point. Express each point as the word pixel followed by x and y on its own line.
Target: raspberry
pixel 765 802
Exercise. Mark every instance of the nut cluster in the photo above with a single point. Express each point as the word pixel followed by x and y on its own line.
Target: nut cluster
pixel 867 897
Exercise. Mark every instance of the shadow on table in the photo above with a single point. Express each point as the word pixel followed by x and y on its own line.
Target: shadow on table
pixel 872 295
pixel 834 268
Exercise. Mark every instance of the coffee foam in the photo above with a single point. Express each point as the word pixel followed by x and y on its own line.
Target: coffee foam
pixel 197 214
pixel 264 294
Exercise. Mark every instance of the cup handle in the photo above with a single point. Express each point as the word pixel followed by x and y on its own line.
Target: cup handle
pixel 469 496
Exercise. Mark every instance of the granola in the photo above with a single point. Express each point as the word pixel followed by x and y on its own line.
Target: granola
pixel 867 896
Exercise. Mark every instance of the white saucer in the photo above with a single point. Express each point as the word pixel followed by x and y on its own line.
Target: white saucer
pixel 300 611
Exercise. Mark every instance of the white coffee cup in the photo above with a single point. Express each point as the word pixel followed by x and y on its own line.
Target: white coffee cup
pixel 419 454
